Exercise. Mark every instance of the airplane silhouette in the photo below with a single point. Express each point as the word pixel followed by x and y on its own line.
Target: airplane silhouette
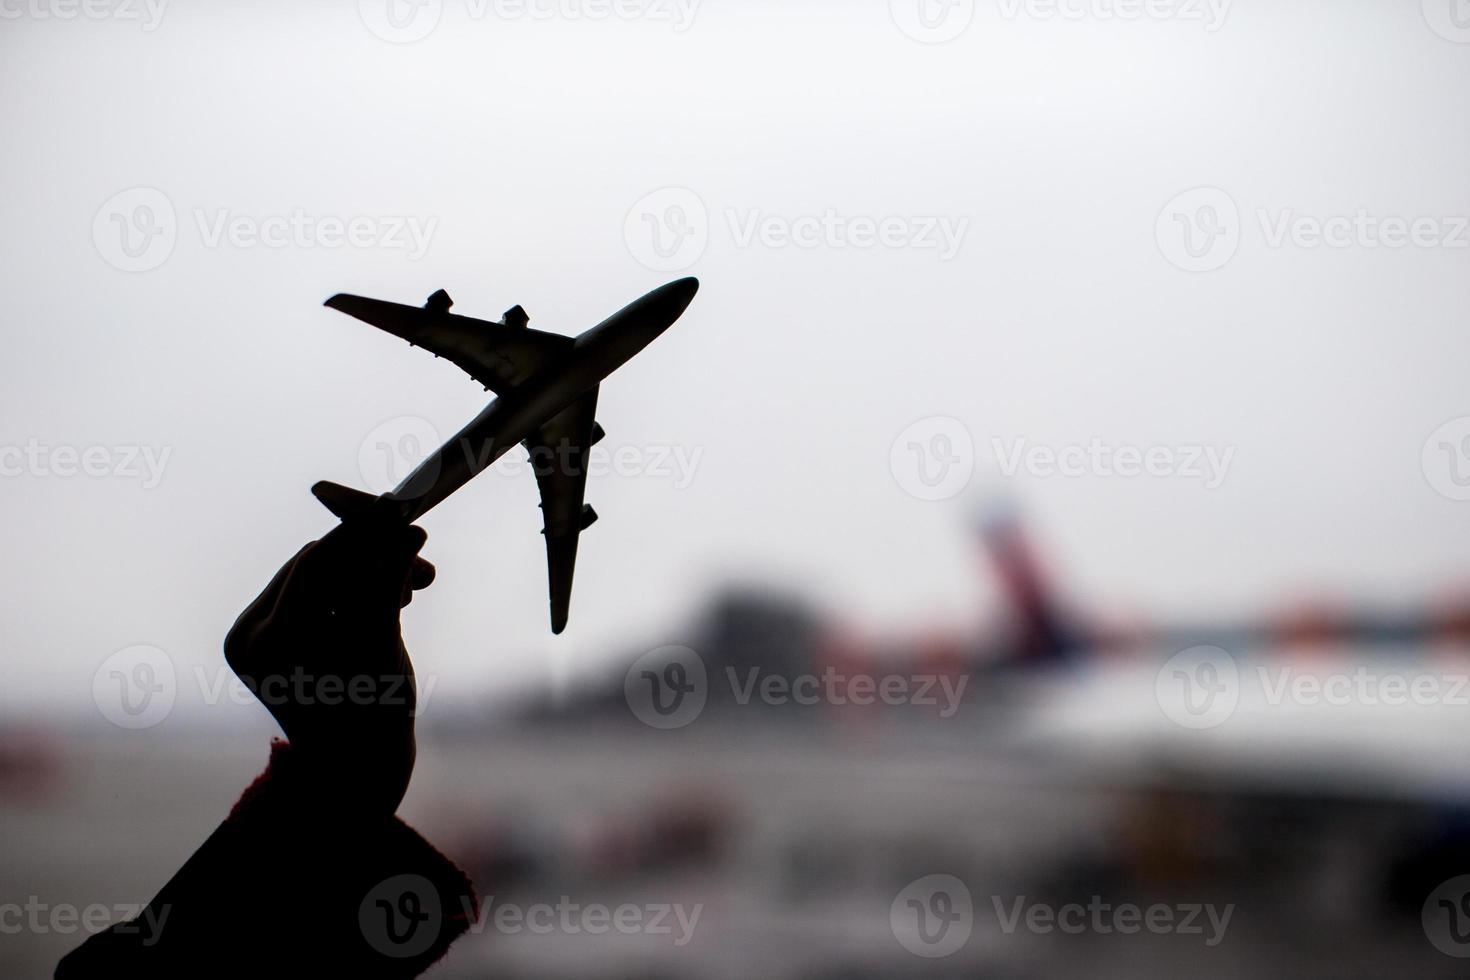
pixel 546 386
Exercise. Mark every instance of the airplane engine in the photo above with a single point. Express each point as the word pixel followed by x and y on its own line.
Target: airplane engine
pixel 516 317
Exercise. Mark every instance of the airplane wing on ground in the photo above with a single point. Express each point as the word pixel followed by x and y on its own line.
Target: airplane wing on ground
pixel 559 453
pixel 498 355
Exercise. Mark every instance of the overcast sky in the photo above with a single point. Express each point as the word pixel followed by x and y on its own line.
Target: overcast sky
pixel 1066 235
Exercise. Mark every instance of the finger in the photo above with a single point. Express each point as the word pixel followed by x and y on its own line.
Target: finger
pixel 268 602
pixel 375 541
pixel 382 567
pixel 422 573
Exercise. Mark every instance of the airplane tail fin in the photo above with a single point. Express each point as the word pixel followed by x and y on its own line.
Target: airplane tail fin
pixel 344 502
pixel 1042 632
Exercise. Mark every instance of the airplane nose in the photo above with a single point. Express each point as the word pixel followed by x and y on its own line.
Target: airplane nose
pixel 676 296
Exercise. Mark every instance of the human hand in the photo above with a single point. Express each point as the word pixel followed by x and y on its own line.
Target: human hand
pixel 322 649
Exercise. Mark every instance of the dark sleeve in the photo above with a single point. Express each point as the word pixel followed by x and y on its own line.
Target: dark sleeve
pixel 283 888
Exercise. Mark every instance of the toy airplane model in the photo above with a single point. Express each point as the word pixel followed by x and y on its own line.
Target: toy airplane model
pixel 547 399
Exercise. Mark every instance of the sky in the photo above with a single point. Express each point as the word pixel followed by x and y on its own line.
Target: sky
pixel 1182 282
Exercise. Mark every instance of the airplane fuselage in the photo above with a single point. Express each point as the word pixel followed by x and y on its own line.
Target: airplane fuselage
pixel 516 414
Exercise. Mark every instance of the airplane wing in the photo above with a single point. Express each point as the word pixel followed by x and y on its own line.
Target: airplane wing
pixel 498 355
pixel 559 459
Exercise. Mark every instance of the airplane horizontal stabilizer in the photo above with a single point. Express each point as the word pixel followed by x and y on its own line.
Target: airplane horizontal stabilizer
pixel 343 502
